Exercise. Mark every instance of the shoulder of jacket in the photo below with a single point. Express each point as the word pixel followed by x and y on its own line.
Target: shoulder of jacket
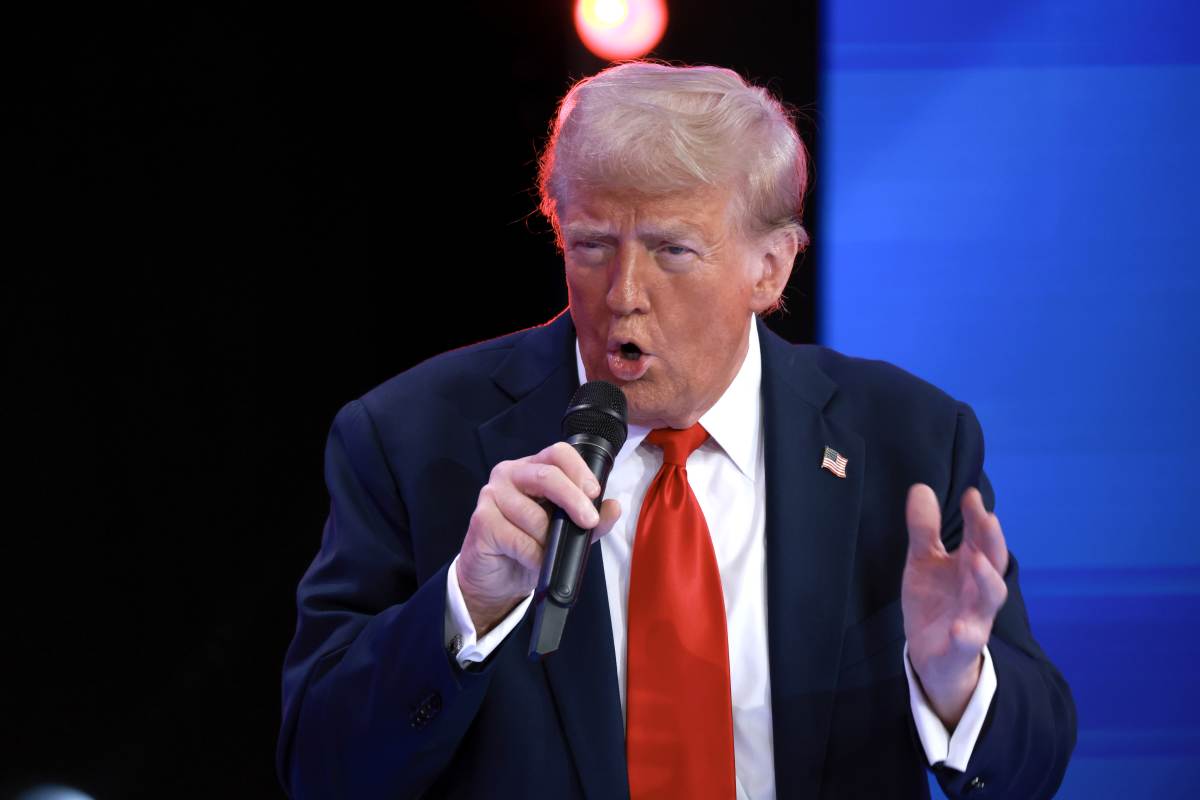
pixel 877 383
pixel 461 372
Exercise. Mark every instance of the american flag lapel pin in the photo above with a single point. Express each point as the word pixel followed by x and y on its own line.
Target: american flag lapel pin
pixel 834 461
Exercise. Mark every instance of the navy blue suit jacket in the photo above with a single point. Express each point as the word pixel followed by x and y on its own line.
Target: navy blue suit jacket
pixel 374 707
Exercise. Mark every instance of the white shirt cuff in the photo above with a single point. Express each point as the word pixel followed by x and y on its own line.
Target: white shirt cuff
pixel 940 745
pixel 458 621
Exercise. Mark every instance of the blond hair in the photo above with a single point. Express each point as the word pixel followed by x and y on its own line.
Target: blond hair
pixel 656 128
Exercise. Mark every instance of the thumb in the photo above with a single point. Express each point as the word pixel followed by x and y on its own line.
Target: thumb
pixel 610 512
pixel 924 518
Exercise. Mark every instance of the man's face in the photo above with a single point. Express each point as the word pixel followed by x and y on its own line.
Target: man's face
pixel 670 276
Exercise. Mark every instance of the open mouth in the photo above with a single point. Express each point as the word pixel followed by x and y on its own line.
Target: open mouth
pixel 627 362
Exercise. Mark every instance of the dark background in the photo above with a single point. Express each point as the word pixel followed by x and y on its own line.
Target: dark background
pixel 229 222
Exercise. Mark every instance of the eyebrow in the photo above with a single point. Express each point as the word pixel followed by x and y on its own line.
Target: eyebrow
pixel 670 229
pixel 584 230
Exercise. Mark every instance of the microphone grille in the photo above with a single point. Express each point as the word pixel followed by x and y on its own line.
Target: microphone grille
pixel 598 408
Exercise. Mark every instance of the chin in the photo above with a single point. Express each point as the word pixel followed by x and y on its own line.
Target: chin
pixel 643 410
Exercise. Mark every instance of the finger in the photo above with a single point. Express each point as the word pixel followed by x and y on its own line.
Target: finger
pixel 610 512
pixel 968 591
pixel 521 510
pixel 973 513
pixel 547 480
pixel 982 529
pixel 969 636
pixel 924 519
pixel 567 458
pixel 992 590
pixel 509 540
pixel 996 546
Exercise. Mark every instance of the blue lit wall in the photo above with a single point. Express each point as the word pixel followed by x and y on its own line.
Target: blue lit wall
pixel 1010 210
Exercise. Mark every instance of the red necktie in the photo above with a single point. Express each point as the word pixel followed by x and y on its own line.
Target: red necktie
pixel 679 713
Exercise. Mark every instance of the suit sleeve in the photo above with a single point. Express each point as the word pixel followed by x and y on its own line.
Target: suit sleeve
pixel 373 704
pixel 1029 732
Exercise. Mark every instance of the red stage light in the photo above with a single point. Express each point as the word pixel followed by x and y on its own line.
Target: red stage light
pixel 620 29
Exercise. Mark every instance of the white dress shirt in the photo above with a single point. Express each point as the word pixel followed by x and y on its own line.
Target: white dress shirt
pixel 727 475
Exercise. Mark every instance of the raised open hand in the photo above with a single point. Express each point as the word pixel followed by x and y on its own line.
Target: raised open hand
pixel 950 600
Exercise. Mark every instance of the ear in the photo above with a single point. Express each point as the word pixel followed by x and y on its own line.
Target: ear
pixel 774 255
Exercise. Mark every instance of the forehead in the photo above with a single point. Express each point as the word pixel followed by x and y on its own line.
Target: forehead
pixel 704 211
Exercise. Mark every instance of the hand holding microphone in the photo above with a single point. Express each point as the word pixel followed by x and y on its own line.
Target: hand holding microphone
pixel 539 503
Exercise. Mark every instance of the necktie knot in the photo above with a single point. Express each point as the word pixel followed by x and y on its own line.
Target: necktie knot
pixel 678 444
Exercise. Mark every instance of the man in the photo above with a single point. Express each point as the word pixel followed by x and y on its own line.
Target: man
pixel 843 614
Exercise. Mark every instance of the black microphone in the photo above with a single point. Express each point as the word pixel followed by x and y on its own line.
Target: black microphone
pixel 595 425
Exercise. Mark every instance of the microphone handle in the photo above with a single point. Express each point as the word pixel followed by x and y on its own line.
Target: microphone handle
pixel 567 548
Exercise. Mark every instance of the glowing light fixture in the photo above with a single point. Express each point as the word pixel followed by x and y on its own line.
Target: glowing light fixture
pixel 620 29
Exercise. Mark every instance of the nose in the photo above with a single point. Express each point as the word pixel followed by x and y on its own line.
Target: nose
pixel 627 280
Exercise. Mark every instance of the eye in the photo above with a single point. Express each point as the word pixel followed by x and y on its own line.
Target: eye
pixel 588 251
pixel 675 252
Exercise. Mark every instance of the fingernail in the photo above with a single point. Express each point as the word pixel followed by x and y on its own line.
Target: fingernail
pixel 593 488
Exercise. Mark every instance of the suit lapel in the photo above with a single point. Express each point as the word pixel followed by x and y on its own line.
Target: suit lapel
pixel 540 376
pixel 811 531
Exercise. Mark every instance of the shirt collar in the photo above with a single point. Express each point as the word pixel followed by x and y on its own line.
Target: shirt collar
pixel 734 421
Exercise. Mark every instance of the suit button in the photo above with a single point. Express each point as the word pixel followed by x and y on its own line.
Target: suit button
pixel 426 710
pixel 976 783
